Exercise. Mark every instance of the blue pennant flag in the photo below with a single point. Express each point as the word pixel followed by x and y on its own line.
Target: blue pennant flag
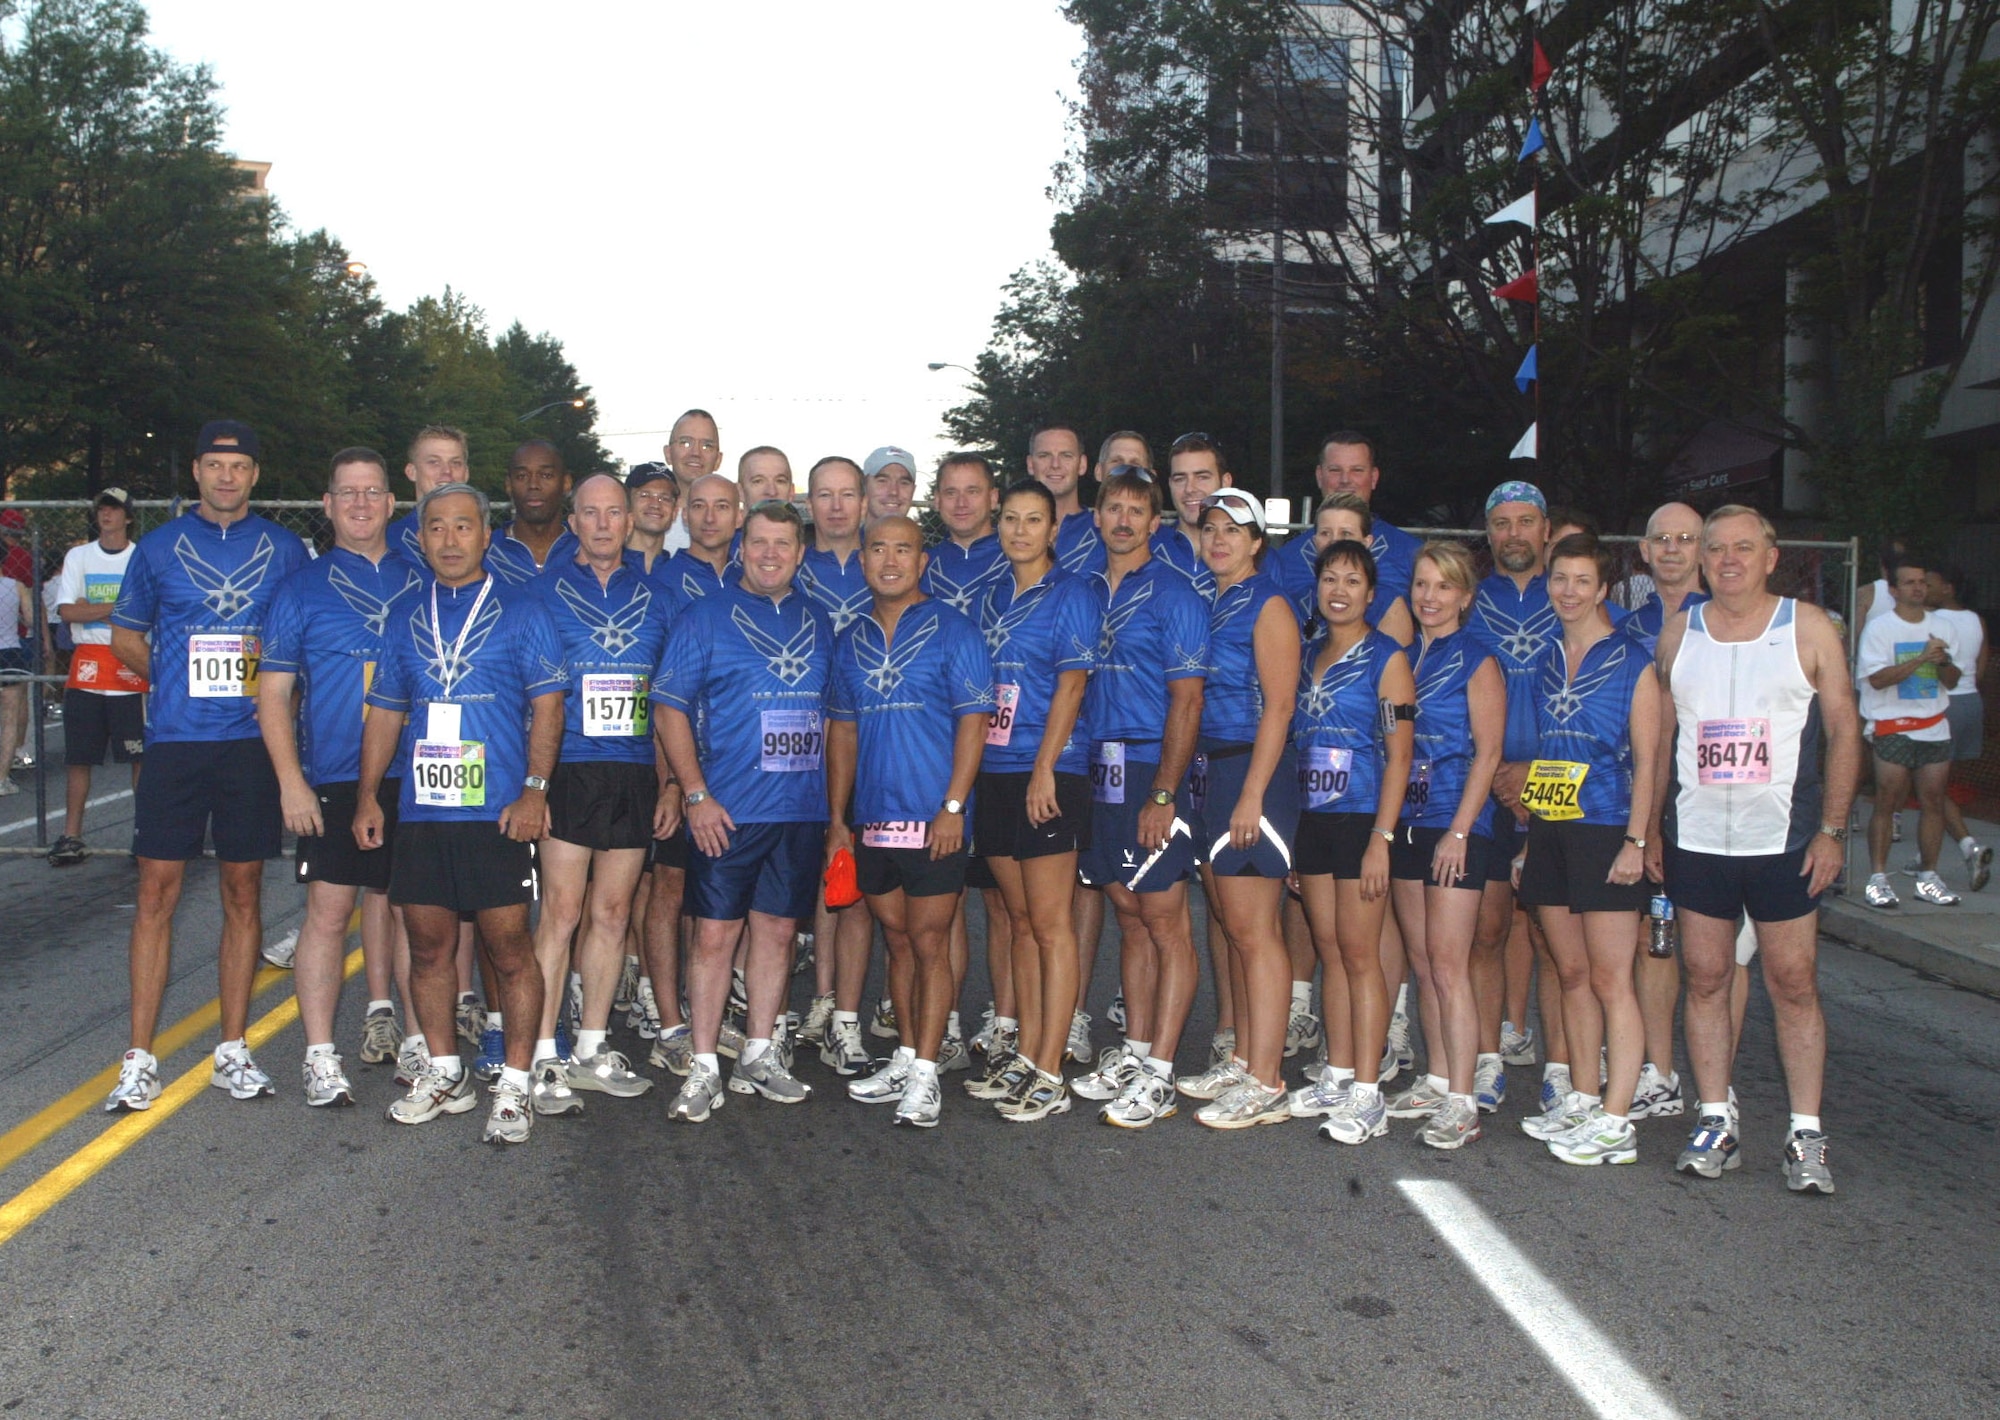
pixel 1526 376
pixel 1533 143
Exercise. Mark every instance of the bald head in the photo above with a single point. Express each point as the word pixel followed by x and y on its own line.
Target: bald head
pixel 599 488
pixel 714 510
pixel 1672 549
pixel 601 520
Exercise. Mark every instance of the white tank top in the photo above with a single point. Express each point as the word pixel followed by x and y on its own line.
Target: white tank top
pixel 1748 744
pixel 1882 603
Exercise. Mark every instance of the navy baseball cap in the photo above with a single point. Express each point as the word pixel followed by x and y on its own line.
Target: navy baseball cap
pixel 640 474
pixel 243 439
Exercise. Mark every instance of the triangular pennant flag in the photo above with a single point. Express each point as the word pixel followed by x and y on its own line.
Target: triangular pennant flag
pixel 1539 69
pixel 1521 288
pixel 1533 143
pixel 1526 375
pixel 1521 209
pixel 1525 447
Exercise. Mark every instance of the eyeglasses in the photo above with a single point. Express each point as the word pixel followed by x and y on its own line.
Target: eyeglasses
pixel 662 497
pixel 688 441
pixel 1195 437
pixel 1135 469
pixel 1673 539
pixel 360 495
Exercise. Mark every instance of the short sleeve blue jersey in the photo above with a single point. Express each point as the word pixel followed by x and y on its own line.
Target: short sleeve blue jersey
pixel 688 578
pixel 200 590
pixel 1079 548
pixel 1518 626
pixel 1587 719
pixel 905 697
pixel 1650 620
pixel 1337 726
pixel 1441 759
pixel 1169 546
pixel 958 575
pixel 1034 637
pixel 325 626
pixel 1233 699
pixel 838 587
pixel 1155 632
pixel 468 682
pixel 751 675
pixel 510 560
pixel 612 634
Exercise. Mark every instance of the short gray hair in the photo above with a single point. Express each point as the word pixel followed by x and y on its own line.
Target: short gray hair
pixel 448 490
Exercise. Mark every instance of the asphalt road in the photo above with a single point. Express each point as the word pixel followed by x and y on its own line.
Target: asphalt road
pixel 259 1259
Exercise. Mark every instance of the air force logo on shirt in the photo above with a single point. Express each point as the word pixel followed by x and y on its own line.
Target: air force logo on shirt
pixel 840 611
pixel 883 670
pixel 1524 638
pixel 455 664
pixel 373 610
pixel 1562 700
pixel 613 632
pixel 228 595
pixel 787 661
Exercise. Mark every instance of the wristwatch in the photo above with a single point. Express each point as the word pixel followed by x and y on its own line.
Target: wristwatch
pixel 1163 797
pixel 696 796
pixel 1387 835
pixel 1638 843
pixel 536 782
pixel 954 806
pixel 1837 832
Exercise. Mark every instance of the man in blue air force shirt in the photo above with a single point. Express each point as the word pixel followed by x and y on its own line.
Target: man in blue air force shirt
pixel 968 557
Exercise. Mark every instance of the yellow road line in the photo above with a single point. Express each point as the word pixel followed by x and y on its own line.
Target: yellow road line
pixel 76 1170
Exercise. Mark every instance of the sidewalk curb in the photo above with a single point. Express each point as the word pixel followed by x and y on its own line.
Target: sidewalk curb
pixel 1879 933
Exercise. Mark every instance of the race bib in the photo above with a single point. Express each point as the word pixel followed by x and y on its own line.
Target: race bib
pixel 913 834
pixel 222 667
pixel 449 774
pixel 1417 794
pixel 1198 783
pixel 793 741
pixel 1001 731
pixel 614 707
pixel 1733 752
pixel 1323 774
pixel 1107 773
pixel 1552 787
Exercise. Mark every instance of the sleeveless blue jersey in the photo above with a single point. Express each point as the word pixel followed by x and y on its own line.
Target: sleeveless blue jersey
pixel 1155 633
pixel 1441 759
pixel 751 674
pixel 325 626
pixel 905 698
pixel 957 576
pixel 1588 720
pixel 201 590
pixel 1337 727
pixel 1052 627
pixel 612 635
pixel 839 588
pixel 1518 627
pixel 1233 698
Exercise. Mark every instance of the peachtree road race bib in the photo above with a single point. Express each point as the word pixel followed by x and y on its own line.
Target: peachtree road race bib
pixel 913 834
pixel 614 707
pixel 449 774
pixel 223 667
pixel 1323 774
pixel 1198 783
pixel 793 741
pixel 1733 752
pixel 1552 787
pixel 1107 773
pixel 1417 795
pixel 1008 698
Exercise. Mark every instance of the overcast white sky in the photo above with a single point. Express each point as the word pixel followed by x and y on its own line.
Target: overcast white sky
pixel 779 211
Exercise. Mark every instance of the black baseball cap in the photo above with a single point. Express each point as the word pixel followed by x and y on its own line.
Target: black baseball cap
pixel 242 438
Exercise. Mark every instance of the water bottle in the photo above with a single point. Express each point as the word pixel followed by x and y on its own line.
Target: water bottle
pixel 1660 924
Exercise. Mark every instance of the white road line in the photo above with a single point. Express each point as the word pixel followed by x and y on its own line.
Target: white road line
pixel 63 812
pixel 1579 1352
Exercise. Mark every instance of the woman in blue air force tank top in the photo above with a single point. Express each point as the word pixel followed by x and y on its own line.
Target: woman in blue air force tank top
pixel 1590 790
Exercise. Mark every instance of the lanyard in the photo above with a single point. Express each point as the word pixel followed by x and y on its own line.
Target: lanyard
pixel 458 646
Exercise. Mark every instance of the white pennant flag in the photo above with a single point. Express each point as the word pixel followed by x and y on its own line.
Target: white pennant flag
pixel 1525 449
pixel 1521 209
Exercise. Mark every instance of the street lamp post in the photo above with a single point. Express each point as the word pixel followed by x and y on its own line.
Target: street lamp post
pixel 952 365
pixel 572 402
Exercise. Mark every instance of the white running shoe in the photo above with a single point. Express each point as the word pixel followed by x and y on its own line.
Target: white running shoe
pixel 550 1092
pixel 1213 1082
pixel 885 1086
pixel 1321 1096
pixel 607 1072
pixel 818 1021
pixel 1302 1032
pixel 1568 1113
pixel 1221 1048
pixel 380 1040
pixel 1115 1012
pixel 236 1071
pixel 882 1025
pixel 325 1082
pixel 643 1015
pixel 922 1102
pixel 1247 1105
pixel 1147 1100
pixel 283 952
pixel 1517 1047
pixel 953 1055
pixel 413 1057
pixel 1357 1121
pixel 434 1093
pixel 1398 1054
pixel 1115 1068
pixel 1419 1101
pixel 138 1083
pixel 843 1052
pixel 511 1116
pixel 1658 1096
pixel 1078 1046
pixel 699 1097
pixel 1452 1127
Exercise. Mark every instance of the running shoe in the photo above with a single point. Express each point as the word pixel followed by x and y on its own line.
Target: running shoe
pixel 1397 1053
pixel 1600 1139
pixel 1452 1127
pixel 674 1050
pixel 1302 1032
pixel 627 990
pixel 1115 1068
pixel 1008 1083
pixel 1805 1162
pixel 1419 1101
pixel 412 1059
pixel 1078 1046
pixel 882 1025
pixel 818 1020
pixel 987 1035
pixel 283 952
pixel 730 1040
pixel 1356 1120
pixel 235 1071
pixel 1320 1097
pixel 885 1086
pixel 380 1040
pixel 1517 1047
pixel 470 1018
pixel 767 1076
pixel 804 954
pixel 1221 1048
pixel 608 1072
pixel 1930 887
pixel 551 1092
pixel 138 1083
pixel 1979 863
pixel 325 1082
pixel 1044 1096
pixel 783 1033
pixel 952 1055
pixel 1148 1099
pixel 1554 1087
pixel 1878 894
pixel 1248 1104
pixel 1213 1082
pixel 994 1081
pixel 1489 1083
pixel 1559 1118
pixel 699 1097
pixel 1658 1096
pixel 511 1116
pixel 492 1055
pixel 922 1103
pixel 1711 1148
pixel 739 994
pixel 643 1015
pixel 843 1052
pixel 1115 1012
pixel 433 1093
pixel 67 851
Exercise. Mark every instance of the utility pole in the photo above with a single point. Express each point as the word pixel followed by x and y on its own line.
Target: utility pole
pixel 1277 303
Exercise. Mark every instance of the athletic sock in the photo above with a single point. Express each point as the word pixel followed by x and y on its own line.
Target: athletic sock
pixel 447 1065
pixel 1968 845
pixel 1480 1060
pixel 708 1063
pixel 755 1048
pixel 589 1042
pixel 374 1006
pixel 1438 1083
pixel 418 1037
pixel 1403 999
pixel 517 1078
pixel 313 1052
pixel 1341 1074
pixel 1302 995
pixel 1164 1069
pixel 1727 1111
pixel 903 1056
pixel 951 1024
pixel 1803 1122
pixel 1617 1118
pixel 1366 1091
pixel 1550 1070
pixel 847 1018
pixel 466 998
pixel 545 1049
pixel 1005 1023
pixel 1465 1100
pixel 923 1069
pixel 1138 1048
pixel 493 1021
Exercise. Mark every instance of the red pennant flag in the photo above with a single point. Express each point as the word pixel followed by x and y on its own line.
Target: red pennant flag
pixel 1521 288
pixel 1539 69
